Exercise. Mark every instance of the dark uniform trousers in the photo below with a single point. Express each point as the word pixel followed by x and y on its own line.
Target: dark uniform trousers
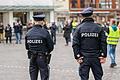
pixel 38 62
pixel 94 64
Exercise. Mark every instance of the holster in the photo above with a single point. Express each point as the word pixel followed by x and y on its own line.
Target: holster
pixel 48 58
pixel 33 58
pixel 29 53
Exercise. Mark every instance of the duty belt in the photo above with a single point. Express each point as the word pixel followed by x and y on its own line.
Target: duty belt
pixel 41 54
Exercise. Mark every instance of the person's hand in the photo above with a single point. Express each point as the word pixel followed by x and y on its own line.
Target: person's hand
pixel 80 60
pixel 102 60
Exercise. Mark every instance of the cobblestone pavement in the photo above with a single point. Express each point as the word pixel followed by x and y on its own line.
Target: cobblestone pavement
pixel 14 63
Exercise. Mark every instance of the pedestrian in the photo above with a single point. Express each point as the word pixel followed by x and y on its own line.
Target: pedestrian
pixel 74 25
pixel 39 44
pixel 21 31
pixel 112 41
pixel 8 33
pixel 67 32
pixel 53 29
pixel 1 32
pixel 17 31
pixel 89 46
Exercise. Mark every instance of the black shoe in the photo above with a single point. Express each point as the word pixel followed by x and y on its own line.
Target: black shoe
pixel 115 64
pixel 112 65
pixel 20 42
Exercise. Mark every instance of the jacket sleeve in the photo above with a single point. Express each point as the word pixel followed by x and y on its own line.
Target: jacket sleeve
pixel 76 44
pixel 103 44
pixel 50 44
pixel 26 45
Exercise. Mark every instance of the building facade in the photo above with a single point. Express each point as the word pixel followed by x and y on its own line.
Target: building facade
pixel 61 10
pixel 12 10
pixel 104 9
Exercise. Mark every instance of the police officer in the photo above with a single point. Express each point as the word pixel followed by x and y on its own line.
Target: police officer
pixel 89 46
pixel 39 44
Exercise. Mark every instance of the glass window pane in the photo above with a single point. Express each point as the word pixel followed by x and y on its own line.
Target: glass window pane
pixel 73 3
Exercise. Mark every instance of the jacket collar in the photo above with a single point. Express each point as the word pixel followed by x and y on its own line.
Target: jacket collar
pixel 38 25
pixel 88 20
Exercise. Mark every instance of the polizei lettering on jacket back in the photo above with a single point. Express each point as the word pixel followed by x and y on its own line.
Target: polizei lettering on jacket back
pixel 89 34
pixel 35 41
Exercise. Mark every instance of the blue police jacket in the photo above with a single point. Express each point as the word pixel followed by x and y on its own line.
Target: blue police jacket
pixel 38 39
pixel 89 40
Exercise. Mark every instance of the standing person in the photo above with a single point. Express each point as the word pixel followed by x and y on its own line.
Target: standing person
pixel 21 30
pixel 53 29
pixel 112 40
pixel 8 33
pixel 17 32
pixel 89 46
pixel 67 32
pixel 1 32
pixel 74 25
pixel 39 44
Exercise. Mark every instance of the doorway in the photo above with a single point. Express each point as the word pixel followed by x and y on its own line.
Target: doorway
pixel 21 16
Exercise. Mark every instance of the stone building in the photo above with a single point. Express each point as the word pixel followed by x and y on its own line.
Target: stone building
pixel 11 10
pixel 104 9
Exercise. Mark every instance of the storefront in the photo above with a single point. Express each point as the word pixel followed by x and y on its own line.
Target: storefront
pixel 23 10
pixel 11 14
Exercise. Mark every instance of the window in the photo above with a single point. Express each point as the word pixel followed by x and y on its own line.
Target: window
pixel 82 5
pixel 73 3
pixel 93 3
pixel 90 3
pixel 106 4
